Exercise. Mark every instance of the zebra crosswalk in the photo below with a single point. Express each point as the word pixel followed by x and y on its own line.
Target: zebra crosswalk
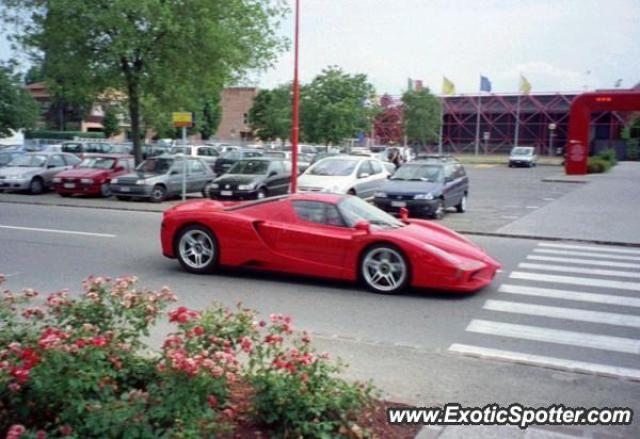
pixel 567 306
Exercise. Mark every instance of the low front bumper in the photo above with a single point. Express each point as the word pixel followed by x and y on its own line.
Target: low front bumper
pixel 78 189
pixel 520 162
pixel 415 207
pixel 8 185
pixel 131 190
pixel 217 194
pixel 471 276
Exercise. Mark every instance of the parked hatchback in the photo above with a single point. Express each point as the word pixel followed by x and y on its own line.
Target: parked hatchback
pixel 93 175
pixel 34 172
pixel 523 156
pixel 425 188
pixel 252 179
pixel 161 177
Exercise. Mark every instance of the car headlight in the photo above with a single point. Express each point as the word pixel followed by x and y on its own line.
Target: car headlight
pixel 57 180
pixel 86 180
pixel 214 186
pixel 114 181
pixel 246 187
pixel 380 195
pixel 140 182
pixel 15 177
pixel 428 196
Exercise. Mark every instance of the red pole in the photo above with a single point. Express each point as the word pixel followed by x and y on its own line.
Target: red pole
pixel 296 103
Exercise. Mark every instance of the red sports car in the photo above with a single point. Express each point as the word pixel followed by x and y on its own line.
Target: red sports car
pixel 325 235
pixel 92 176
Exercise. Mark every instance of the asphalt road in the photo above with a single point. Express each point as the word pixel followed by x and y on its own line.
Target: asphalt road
pixel 421 347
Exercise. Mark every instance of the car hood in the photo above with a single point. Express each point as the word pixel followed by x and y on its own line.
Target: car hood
pixel 238 178
pixel 83 173
pixel 324 181
pixel 141 175
pixel 410 187
pixel 10 171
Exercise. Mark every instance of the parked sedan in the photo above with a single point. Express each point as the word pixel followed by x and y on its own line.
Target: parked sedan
pixel 251 179
pixel 361 176
pixel 33 172
pixel 7 156
pixel 93 175
pixel 161 177
pixel 425 188
pixel 324 235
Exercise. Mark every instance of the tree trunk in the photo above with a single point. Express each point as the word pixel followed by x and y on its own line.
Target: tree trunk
pixel 134 114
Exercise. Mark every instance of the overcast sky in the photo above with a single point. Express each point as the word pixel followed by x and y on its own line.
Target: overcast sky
pixel 554 43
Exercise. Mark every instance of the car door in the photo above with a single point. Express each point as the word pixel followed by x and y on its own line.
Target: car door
pixel 449 186
pixel 318 239
pixel 55 164
pixel 362 184
pixel 277 183
pixel 174 177
pixel 378 176
pixel 197 175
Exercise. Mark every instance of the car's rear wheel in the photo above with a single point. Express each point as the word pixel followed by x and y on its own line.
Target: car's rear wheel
pixel 105 189
pixel 197 249
pixel 384 269
pixel 36 186
pixel 438 213
pixel 158 193
pixel 462 205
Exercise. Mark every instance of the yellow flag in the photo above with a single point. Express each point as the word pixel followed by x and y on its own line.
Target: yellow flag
pixel 448 87
pixel 525 86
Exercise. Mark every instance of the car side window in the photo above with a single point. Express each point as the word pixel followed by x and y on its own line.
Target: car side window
pixel 376 166
pixel 277 167
pixel 71 160
pixel 449 172
pixel 56 161
pixel 195 167
pixel 365 168
pixel 318 212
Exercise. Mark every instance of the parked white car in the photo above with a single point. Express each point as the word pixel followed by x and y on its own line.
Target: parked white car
pixel 523 156
pixel 356 175
pixel 207 153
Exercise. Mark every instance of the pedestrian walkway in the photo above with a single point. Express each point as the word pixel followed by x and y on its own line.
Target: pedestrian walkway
pixel 606 209
pixel 569 307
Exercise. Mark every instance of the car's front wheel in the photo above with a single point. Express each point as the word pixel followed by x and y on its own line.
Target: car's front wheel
pixel 462 205
pixel 262 193
pixel 384 269
pixel 197 249
pixel 37 186
pixel 438 213
pixel 158 193
pixel 105 189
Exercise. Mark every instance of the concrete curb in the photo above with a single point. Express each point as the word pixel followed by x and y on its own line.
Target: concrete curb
pixel 42 203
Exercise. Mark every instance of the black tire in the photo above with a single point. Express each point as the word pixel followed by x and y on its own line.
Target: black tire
pixel 352 192
pixel 189 266
pixel 123 197
pixel 461 207
pixel 205 191
pixel 511 165
pixel 105 189
pixel 158 194
pixel 262 193
pixel 439 212
pixel 366 278
pixel 36 186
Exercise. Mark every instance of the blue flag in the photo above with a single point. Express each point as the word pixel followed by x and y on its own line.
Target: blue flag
pixel 485 84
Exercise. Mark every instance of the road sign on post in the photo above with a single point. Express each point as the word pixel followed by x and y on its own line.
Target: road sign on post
pixel 182 119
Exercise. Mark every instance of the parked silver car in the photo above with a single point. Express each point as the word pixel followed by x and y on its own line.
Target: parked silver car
pixel 34 171
pixel 158 178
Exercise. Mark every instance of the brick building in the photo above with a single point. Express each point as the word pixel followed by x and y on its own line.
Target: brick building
pixel 235 103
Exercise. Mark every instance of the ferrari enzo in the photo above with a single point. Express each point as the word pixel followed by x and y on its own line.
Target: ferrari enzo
pixel 324 235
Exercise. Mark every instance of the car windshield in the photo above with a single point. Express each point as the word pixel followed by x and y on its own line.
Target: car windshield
pixel 155 166
pixel 72 147
pixel 431 173
pixel 522 151
pixel 334 167
pixel 29 161
pixel 354 209
pixel 276 154
pixel 250 167
pixel 97 163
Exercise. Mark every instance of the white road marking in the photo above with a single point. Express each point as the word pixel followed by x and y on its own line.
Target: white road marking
pixel 586 254
pixel 548 199
pixel 554 312
pixel 66 232
pixel 579 270
pixel 544 361
pixel 590 248
pixel 589 282
pixel 533 207
pixel 557 336
pixel 578 296
pixel 583 261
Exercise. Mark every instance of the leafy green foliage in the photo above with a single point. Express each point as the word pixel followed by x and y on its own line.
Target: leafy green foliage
pixel 597 165
pixel 422 116
pixel 62 135
pixel 17 108
pixel 335 106
pixel 173 51
pixel 210 118
pixel 631 133
pixel 110 122
pixel 270 115
pixel 609 155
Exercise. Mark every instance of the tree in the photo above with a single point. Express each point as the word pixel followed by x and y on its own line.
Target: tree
pixel 335 106
pixel 422 116
pixel 175 51
pixel 211 116
pixel 17 108
pixel 110 122
pixel 270 115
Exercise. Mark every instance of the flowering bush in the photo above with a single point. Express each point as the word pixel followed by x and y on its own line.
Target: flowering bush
pixel 77 366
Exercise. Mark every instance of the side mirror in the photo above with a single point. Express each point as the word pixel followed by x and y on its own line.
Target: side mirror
pixel 118 169
pixel 272 174
pixel 51 166
pixel 363 226
pixel 174 172
pixel 448 179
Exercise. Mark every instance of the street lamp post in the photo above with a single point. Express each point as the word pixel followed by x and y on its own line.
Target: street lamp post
pixel 296 105
pixel 552 127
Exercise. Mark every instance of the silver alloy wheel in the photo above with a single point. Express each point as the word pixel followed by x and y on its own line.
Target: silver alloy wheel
pixel 261 194
pixel 384 269
pixel 158 193
pixel 196 249
pixel 36 186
